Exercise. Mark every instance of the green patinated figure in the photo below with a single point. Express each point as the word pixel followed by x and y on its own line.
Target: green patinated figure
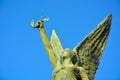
pixel 80 63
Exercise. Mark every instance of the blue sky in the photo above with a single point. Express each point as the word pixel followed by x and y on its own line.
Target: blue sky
pixel 22 55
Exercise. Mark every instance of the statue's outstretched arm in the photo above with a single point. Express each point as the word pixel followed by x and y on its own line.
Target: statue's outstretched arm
pixel 46 42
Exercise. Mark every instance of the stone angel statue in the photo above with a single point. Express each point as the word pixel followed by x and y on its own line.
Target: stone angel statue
pixel 80 63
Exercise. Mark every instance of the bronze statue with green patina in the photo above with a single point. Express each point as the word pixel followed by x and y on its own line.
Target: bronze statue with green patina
pixel 80 63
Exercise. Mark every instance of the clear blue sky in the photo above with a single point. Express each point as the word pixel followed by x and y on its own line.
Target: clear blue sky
pixel 22 55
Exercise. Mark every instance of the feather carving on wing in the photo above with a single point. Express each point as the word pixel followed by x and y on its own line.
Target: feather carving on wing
pixel 82 62
pixel 90 49
pixel 56 44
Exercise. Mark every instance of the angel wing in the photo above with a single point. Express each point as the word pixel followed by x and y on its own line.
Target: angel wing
pixel 90 49
pixel 56 45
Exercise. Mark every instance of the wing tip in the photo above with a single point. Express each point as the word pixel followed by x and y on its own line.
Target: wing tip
pixel 108 19
pixel 53 32
pixel 110 15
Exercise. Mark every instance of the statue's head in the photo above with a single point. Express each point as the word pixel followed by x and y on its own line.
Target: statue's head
pixel 69 57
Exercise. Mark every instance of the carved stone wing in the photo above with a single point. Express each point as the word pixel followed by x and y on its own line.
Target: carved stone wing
pixel 90 49
pixel 56 45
